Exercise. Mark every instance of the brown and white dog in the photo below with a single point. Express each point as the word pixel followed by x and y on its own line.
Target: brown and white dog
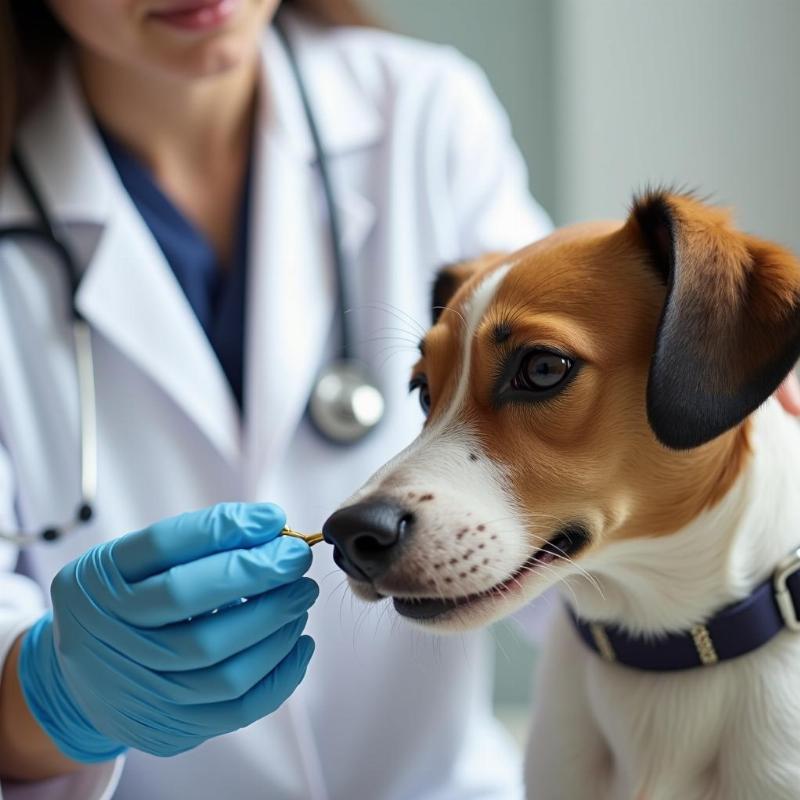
pixel 592 423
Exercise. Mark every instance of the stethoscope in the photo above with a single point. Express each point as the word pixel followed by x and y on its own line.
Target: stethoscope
pixel 345 402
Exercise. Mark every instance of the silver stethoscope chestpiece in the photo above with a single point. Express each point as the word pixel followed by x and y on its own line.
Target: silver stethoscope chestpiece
pixel 345 404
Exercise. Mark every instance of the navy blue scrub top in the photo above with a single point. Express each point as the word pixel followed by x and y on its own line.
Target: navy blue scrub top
pixel 215 293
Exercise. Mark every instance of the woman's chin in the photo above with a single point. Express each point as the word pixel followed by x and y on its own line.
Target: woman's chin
pixel 207 59
pixel 188 52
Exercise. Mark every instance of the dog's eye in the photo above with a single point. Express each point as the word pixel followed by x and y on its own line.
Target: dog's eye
pixel 541 370
pixel 421 383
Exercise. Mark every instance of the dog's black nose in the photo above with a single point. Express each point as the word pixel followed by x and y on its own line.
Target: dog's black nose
pixel 366 536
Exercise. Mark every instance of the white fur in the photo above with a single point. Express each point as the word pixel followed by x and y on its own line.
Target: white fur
pixel 474 311
pixel 726 732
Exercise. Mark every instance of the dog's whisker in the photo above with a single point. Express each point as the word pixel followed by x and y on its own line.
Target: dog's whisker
pixel 582 571
pixel 397 351
pixel 399 345
pixel 395 328
pixel 398 313
pixel 503 652
pixel 391 330
pixel 512 631
pixel 437 587
pixel 445 309
pixel 560 577
pixel 390 338
pixel 542 540
pixel 359 622
pixel 341 601
pixel 332 574
pixel 392 348
pixel 423 329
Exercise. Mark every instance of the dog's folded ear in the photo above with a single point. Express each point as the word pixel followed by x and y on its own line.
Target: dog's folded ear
pixel 451 277
pixel 447 282
pixel 730 327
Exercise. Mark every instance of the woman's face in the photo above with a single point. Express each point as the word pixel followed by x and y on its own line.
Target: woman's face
pixel 173 38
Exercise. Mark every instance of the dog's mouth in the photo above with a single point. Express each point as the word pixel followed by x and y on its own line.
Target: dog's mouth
pixel 566 543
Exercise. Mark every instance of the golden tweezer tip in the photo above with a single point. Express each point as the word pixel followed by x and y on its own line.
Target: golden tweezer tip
pixel 309 538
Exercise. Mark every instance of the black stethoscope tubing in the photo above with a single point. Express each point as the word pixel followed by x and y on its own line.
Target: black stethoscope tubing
pixel 334 227
pixel 345 403
pixel 46 233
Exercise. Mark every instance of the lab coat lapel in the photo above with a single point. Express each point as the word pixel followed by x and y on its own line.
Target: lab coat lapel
pixel 292 315
pixel 128 293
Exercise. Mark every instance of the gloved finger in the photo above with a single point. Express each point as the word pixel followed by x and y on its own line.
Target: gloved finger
pixel 235 676
pixel 142 726
pixel 153 691
pixel 206 640
pixel 264 698
pixel 209 583
pixel 187 537
pixel 212 638
pixel 152 700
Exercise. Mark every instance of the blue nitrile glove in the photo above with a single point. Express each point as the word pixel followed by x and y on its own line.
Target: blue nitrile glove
pixel 131 656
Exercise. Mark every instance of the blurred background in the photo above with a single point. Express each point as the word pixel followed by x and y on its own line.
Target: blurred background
pixel 608 96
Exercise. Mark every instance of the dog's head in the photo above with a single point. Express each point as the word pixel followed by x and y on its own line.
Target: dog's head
pixel 591 387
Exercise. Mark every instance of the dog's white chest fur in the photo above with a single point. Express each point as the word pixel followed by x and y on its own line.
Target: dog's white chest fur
pixel 725 732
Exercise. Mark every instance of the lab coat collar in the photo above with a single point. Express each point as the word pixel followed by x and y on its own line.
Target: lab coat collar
pixel 129 294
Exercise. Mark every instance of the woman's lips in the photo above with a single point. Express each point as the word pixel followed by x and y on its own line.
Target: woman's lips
pixel 197 15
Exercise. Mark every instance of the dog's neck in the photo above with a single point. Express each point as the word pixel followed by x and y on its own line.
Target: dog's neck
pixel 672 582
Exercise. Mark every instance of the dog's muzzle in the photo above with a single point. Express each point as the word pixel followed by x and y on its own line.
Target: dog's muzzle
pixel 367 537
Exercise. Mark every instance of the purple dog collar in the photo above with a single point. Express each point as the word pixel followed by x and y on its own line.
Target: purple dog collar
pixel 733 631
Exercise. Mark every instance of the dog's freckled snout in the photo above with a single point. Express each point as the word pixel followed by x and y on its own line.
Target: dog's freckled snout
pixel 366 537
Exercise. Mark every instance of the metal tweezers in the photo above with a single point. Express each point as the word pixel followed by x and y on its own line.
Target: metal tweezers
pixel 309 538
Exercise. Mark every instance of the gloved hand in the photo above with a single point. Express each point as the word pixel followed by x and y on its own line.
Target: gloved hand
pixel 131 656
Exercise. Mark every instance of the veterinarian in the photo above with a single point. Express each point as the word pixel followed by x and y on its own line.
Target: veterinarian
pixel 167 144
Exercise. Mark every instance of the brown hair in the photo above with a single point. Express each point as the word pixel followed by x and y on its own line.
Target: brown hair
pixel 31 38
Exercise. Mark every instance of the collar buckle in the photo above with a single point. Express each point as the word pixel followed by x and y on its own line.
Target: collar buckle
pixel 783 597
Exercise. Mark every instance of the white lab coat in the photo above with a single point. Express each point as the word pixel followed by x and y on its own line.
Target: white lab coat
pixel 425 172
